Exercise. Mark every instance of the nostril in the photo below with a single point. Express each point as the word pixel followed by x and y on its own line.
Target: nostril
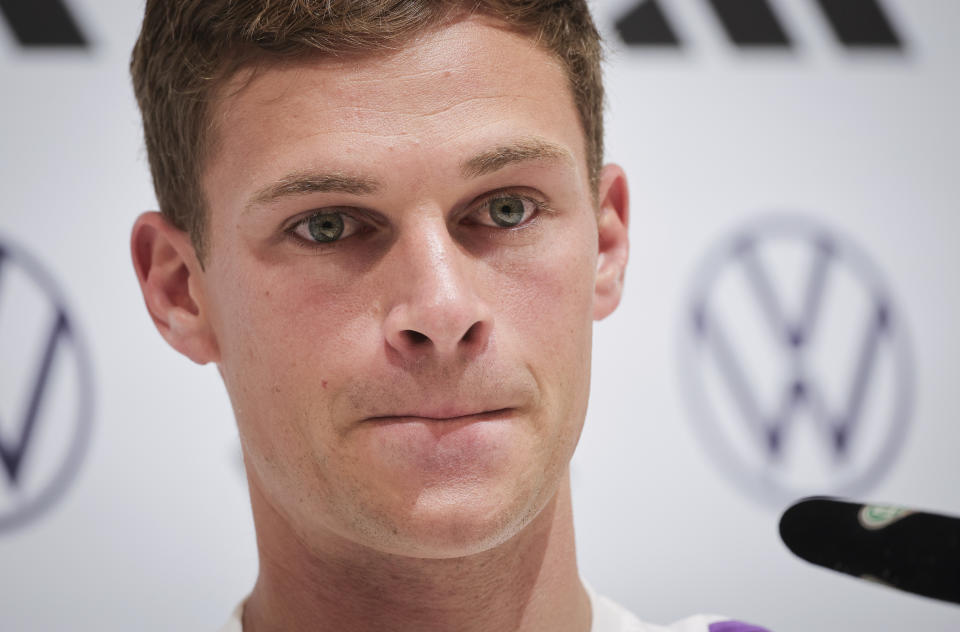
pixel 473 332
pixel 415 337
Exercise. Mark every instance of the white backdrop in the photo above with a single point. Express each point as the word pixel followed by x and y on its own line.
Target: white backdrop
pixel 153 529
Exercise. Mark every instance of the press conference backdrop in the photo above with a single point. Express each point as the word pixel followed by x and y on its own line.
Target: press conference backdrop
pixel 788 327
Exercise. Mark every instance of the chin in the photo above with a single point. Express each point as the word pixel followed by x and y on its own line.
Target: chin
pixel 452 523
pixel 447 523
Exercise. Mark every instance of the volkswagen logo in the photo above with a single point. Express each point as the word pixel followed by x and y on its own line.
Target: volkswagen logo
pixel 45 390
pixel 796 361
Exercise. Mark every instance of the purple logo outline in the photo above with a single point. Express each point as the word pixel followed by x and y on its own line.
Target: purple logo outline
pixel 705 339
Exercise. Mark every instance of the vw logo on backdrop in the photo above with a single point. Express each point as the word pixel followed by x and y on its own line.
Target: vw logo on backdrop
pixel 796 361
pixel 45 390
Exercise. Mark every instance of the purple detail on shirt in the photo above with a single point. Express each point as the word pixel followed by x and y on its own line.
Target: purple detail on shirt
pixel 735 626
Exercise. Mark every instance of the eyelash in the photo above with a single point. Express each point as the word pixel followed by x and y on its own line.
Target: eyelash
pixel 538 206
pixel 350 215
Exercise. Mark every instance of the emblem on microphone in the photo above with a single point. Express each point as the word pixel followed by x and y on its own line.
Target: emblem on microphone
pixel 880 516
pixel 796 361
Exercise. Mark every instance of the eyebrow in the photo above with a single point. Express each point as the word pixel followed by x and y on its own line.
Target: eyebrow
pixel 483 163
pixel 304 182
pixel 522 150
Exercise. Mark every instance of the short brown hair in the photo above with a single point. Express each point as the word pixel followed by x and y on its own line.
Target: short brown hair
pixel 188 49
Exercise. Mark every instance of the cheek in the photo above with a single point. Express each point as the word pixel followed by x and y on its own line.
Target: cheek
pixel 293 345
pixel 546 291
pixel 546 308
pixel 296 308
pixel 289 341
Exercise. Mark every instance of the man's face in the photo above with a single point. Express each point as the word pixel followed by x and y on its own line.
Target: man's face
pixel 401 286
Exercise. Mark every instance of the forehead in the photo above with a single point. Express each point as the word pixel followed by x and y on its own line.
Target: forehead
pixel 446 87
pixel 464 49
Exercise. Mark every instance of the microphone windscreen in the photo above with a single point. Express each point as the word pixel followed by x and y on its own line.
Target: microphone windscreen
pixel 915 551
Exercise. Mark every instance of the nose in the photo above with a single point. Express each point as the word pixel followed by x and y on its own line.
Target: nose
pixel 435 310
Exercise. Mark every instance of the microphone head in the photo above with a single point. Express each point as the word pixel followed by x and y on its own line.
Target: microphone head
pixel 910 550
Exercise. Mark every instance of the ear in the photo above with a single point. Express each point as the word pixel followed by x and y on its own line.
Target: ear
pixel 171 280
pixel 613 240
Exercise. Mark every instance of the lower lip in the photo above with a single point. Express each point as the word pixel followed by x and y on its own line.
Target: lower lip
pixel 489 415
pixel 460 446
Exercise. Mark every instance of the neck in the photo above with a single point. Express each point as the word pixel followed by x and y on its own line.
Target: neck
pixel 530 583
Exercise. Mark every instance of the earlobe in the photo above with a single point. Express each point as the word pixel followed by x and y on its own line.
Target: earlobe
pixel 613 241
pixel 168 270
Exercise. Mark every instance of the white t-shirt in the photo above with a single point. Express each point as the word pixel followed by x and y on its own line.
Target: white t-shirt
pixel 607 617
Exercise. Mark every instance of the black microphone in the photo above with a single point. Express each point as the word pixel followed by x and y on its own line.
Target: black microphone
pixel 915 551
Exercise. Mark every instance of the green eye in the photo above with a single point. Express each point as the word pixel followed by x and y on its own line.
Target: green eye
pixel 506 211
pixel 325 227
